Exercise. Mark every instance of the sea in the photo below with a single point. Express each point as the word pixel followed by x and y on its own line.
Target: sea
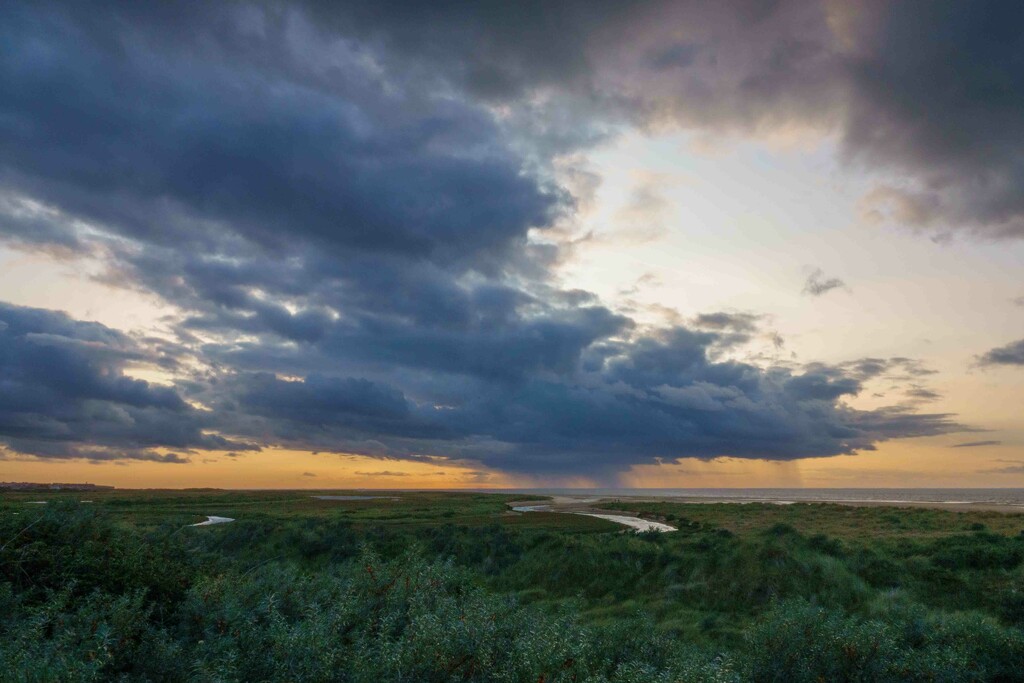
pixel 1001 496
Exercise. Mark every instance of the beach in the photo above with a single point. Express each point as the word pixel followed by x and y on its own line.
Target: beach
pixel 956 500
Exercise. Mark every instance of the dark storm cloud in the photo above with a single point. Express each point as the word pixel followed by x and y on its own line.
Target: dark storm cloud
pixel 817 284
pixel 348 204
pixel 927 93
pixel 183 149
pixel 338 406
pixel 654 397
pixel 1011 354
pixel 939 89
pixel 64 394
pixel 494 49
pixel 663 398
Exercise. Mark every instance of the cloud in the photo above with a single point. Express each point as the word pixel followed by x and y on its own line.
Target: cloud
pixel 93 454
pixel 1016 468
pixel 318 400
pixel 644 214
pixel 736 322
pixel 348 208
pixel 174 458
pixel 924 96
pixel 976 444
pixel 897 368
pixel 66 395
pixel 1010 354
pixel 309 474
pixel 623 403
pixel 817 284
pixel 733 329
pixel 337 177
pixel 383 473
pixel 942 110
pixel 919 393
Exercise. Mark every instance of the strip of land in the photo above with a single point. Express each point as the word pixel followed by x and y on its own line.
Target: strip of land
pixel 584 503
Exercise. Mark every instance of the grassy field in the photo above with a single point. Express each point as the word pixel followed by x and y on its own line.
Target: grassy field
pixel 444 586
pixel 841 521
pixel 149 508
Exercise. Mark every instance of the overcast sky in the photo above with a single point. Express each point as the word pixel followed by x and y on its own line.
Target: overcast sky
pixel 512 244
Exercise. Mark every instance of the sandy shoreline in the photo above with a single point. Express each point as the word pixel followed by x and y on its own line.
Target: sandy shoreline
pixel 590 503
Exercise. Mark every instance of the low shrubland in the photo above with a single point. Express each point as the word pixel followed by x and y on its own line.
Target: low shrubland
pixel 88 595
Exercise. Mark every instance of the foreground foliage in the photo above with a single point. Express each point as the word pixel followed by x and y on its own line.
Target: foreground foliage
pixel 84 595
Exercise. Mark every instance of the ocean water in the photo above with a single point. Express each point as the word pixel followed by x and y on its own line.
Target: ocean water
pixel 1013 497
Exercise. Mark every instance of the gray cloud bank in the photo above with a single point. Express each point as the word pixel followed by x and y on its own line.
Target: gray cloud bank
pixel 925 94
pixel 64 394
pixel 350 208
pixel 1010 354
pixel 616 403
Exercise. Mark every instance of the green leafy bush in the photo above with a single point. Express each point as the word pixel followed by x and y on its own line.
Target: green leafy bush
pixel 84 597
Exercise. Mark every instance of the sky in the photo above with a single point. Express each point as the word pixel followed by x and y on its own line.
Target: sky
pixel 533 244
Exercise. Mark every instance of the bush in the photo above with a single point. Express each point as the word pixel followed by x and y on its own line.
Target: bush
pixel 84 598
pixel 798 642
pixel 978 551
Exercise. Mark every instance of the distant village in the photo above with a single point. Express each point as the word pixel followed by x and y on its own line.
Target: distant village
pixel 35 486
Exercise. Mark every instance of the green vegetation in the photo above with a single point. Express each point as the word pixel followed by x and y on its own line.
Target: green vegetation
pixel 453 587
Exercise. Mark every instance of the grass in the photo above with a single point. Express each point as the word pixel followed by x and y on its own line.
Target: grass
pixel 149 508
pixel 839 521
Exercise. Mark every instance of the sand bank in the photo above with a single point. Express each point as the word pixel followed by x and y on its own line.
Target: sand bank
pixel 214 519
pixel 637 523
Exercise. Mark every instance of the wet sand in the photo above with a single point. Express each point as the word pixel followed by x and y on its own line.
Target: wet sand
pixel 637 523
pixel 567 505
pixel 214 519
